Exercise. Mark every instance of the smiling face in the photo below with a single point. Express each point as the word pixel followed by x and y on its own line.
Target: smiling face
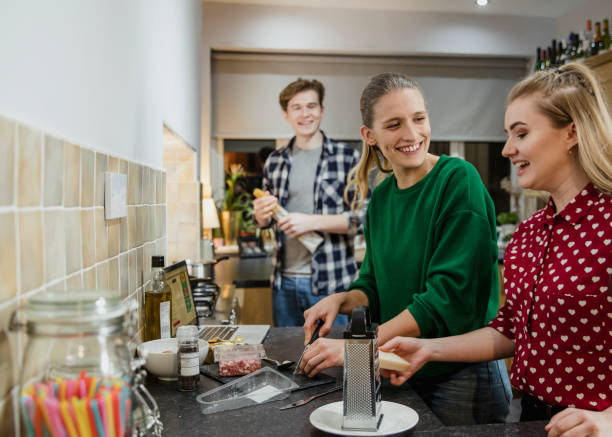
pixel 304 113
pixel 536 147
pixel 400 129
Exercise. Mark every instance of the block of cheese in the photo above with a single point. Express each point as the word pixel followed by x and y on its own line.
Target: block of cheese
pixel 391 361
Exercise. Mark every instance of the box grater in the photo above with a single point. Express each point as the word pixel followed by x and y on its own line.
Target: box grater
pixel 362 402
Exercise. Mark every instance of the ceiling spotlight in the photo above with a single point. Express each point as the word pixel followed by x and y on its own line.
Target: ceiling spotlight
pixel 482 2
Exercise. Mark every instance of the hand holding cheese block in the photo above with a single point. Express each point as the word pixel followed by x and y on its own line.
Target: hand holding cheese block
pixel 391 361
pixel 310 240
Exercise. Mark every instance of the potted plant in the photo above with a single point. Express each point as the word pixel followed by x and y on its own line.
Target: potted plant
pixel 235 201
pixel 507 222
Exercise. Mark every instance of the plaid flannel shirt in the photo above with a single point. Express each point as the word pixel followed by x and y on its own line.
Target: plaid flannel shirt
pixel 333 263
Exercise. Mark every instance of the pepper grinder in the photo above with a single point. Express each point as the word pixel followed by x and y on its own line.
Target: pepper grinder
pixel 362 384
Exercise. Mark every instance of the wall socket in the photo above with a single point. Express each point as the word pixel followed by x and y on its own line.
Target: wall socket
pixel 115 195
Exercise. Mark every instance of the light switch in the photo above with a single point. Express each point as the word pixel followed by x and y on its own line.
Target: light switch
pixel 115 195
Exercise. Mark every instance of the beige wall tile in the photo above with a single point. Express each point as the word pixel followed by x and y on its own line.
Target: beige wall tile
pixel 31 250
pixel 146 184
pixel 124 275
pixel 134 183
pixel 188 212
pixel 139 267
pixel 113 164
pixel 132 226
pixel 101 166
pixel 173 250
pixel 163 187
pixel 74 282
pixel 113 274
pixel 29 167
pixel 162 248
pixel 124 241
pixel 7 163
pixel 112 233
pixel 89 279
pixel 89 237
pixel 74 246
pixel 173 192
pixel 72 172
pixel 55 245
pixel 139 225
pixel 187 250
pixel 185 154
pixel 188 232
pixel 189 192
pixel 133 270
pixel 101 239
pixel 123 166
pixel 171 171
pixel 53 186
pixel 102 276
pixel 158 186
pixel 147 254
pixel 185 171
pixel 168 153
pixel 88 164
pixel 8 266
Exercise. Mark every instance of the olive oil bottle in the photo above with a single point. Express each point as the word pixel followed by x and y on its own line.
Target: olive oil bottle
pixel 157 303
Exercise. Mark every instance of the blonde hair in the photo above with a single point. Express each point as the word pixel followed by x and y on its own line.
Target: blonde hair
pixel 569 94
pixel 357 187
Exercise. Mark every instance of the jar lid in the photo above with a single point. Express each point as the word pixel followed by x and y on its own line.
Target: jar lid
pixel 74 307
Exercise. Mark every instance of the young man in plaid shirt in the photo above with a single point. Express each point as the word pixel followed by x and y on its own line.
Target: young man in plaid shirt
pixel 308 177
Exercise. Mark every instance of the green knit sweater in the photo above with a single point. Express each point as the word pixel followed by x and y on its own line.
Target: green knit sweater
pixel 432 249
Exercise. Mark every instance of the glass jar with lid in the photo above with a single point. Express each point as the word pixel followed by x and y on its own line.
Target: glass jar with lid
pixel 77 370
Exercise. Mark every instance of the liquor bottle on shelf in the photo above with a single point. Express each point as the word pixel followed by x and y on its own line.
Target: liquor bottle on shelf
pixel 581 44
pixel 552 51
pixel 157 303
pixel 588 33
pixel 538 64
pixel 547 58
pixel 597 44
pixel 561 56
pixel 606 34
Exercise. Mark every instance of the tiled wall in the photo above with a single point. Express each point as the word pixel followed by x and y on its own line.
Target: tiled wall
pixel 180 162
pixel 53 234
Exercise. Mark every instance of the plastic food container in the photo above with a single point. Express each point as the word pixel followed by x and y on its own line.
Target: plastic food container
pixel 245 348
pixel 237 363
pixel 259 387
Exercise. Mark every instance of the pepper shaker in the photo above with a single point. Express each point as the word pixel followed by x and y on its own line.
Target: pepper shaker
pixel 188 357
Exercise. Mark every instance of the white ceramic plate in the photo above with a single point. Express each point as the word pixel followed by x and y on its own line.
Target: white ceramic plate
pixel 397 418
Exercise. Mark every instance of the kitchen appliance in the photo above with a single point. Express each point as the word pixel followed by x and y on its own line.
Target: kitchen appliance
pixel 361 374
pixel 203 288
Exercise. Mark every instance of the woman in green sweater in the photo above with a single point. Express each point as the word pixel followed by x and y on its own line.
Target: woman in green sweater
pixel 430 268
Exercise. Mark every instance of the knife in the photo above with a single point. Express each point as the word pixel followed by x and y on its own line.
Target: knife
pixel 315 335
pixel 310 398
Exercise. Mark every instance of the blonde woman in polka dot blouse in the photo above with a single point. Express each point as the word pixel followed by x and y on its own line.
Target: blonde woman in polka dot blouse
pixel 557 320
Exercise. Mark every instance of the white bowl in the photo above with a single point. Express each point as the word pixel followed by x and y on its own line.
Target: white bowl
pixel 164 365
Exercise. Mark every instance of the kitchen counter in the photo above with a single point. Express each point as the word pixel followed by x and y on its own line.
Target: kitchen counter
pixel 244 272
pixel 181 414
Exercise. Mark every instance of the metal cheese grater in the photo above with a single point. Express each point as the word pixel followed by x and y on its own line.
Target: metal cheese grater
pixel 362 403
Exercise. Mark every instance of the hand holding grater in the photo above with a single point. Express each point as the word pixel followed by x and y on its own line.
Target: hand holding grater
pixel 362 385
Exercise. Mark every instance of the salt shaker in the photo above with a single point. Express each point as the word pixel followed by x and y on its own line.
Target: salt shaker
pixel 188 357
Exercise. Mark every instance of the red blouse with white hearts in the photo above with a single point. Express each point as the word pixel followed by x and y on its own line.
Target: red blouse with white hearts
pixel 559 305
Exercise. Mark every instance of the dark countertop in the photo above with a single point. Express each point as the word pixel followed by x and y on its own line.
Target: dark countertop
pixel 181 414
pixel 244 272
